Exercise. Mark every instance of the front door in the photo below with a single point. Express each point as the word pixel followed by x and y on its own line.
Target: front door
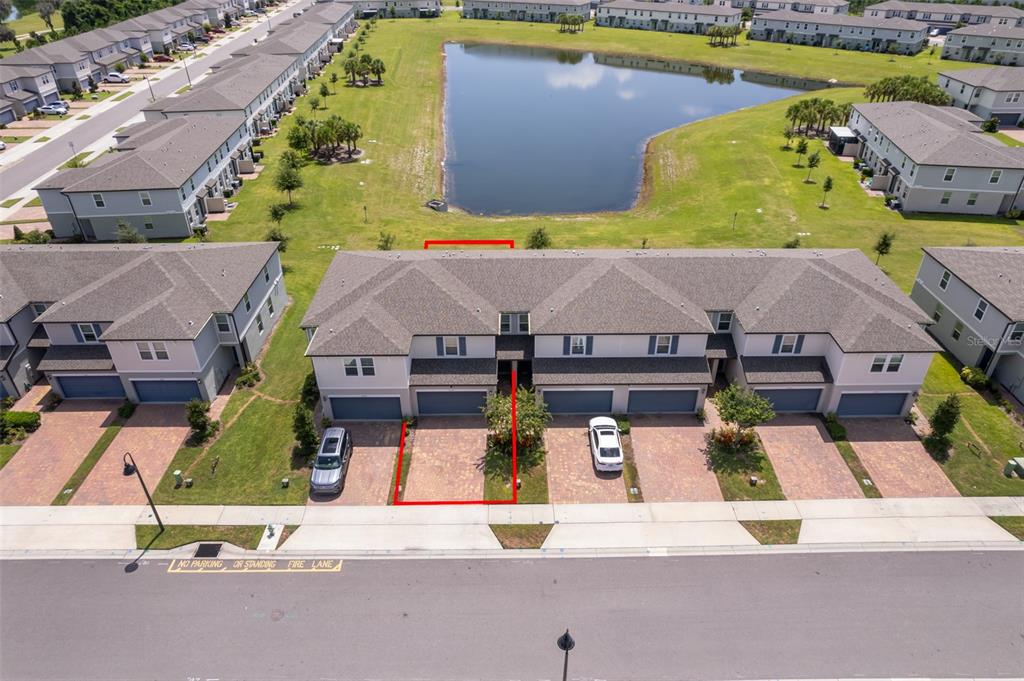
pixel 87 231
pixel 986 359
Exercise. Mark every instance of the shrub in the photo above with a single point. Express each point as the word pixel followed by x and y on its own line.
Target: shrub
pixel 836 430
pixel 249 376
pixel 538 238
pixel 126 410
pixel 126 234
pixel 18 234
pixel 975 377
pixel 1013 213
pixel 991 125
pixel 310 390
pixel 701 415
pixel 386 241
pixel 22 420
pixel 792 243
pixel 943 421
pixel 532 417
pixel 305 429
pixel 197 412
pixel 622 422
pixel 37 238
pixel 276 234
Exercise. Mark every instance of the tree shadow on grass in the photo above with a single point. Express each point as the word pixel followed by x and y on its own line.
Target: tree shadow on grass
pixel 733 459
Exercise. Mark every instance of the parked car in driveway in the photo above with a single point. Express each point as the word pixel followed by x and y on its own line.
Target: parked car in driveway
pixel 331 464
pixel 3 145
pixel 163 58
pixel 187 47
pixel 115 77
pixel 605 445
pixel 55 109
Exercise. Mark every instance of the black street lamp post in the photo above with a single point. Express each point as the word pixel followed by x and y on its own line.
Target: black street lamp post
pixel 129 469
pixel 566 643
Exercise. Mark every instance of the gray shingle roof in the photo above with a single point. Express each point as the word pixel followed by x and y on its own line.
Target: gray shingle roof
pixel 940 135
pixel 996 274
pixel 620 370
pixel 158 155
pixel 991 30
pixel 894 23
pixel 465 371
pixel 937 8
pixel 998 78
pixel 649 6
pixel 230 88
pixel 534 2
pixel 76 358
pixel 375 303
pixel 145 291
pixel 777 370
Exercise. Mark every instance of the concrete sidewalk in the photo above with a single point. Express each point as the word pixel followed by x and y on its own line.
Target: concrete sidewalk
pixel 577 526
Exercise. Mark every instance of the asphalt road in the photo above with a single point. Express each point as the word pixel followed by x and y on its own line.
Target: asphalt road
pixel 764 616
pixel 47 156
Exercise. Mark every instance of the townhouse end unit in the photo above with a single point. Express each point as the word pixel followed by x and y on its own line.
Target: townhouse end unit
pixel 992 92
pixel 986 43
pixel 944 17
pixel 673 17
pixel 525 10
pixel 936 159
pixel 816 7
pixel 150 323
pixel 162 180
pixel 399 334
pixel 841 31
pixel 976 299
pixel 23 89
pixel 416 9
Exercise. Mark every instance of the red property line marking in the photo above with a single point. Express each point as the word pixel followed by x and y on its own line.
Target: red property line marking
pixel 482 502
pixel 511 243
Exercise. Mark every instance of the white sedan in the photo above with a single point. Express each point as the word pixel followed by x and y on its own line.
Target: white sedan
pixel 115 77
pixel 605 446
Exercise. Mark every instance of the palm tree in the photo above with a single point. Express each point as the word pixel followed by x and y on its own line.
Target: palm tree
pixel 352 134
pixel 378 69
pixel 884 245
pixel 813 161
pixel 351 67
pixel 826 187
pixel 334 82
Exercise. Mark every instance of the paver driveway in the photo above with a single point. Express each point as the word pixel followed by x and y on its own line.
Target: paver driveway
pixel 896 460
pixel 153 435
pixel 670 461
pixel 447 453
pixel 368 482
pixel 806 460
pixel 571 475
pixel 51 454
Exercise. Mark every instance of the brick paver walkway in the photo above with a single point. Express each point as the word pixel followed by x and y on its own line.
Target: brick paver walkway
pixel 571 475
pixel 446 459
pixel 670 461
pixel 51 454
pixel 368 482
pixel 896 460
pixel 153 435
pixel 33 399
pixel 806 460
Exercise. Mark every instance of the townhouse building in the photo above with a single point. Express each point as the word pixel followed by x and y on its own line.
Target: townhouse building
pixel 673 17
pixel 162 179
pixel 976 299
pixel 146 322
pixel 26 88
pixel 165 28
pixel 525 10
pixel 986 43
pixel 841 31
pixel 944 16
pixel 416 9
pixel 215 11
pixel 936 159
pixel 801 6
pixel 306 43
pixel 393 335
pixel 255 88
pixel 339 17
pixel 992 92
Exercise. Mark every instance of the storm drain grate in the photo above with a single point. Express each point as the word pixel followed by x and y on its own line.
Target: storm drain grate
pixel 207 551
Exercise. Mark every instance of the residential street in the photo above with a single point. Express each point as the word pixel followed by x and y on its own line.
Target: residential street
pixel 914 614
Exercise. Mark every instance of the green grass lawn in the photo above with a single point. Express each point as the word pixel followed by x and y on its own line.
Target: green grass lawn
pixel 735 470
pixel 78 159
pixel 123 95
pixel 521 536
pixel 88 463
pixel 773 531
pixel 983 440
pixel 856 467
pixel 1007 140
pixel 27 23
pixel 700 175
pixel 10 202
pixel 1014 524
pixel 7 452
pixel 34 202
pixel 534 489
pixel 173 536
pixel 14 139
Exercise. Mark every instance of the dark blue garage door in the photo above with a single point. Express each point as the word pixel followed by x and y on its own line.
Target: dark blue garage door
pixel 793 399
pixel 7 117
pixel 462 402
pixel 578 401
pixel 167 391
pixel 662 401
pixel 80 387
pixel 871 404
pixel 366 408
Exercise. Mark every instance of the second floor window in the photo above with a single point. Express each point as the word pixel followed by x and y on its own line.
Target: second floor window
pixel 578 345
pixel 788 344
pixel 995 177
pixel 451 346
pixel 724 321
pixel 223 324
pixel 663 345
pixel 944 281
pixel 145 198
pixel 154 350
pixel 1017 335
pixel 887 363
pixel 245 301
pixel 88 333
pixel 979 312
pixel 98 200
pixel 949 175
pixel 360 366
pixel 38 308
pixel 514 323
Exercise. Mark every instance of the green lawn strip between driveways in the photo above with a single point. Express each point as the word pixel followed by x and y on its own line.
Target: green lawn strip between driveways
pixel 10 202
pixel 773 531
pixel 173 536
pixel 857 468
pixel 975 465
pixel 252 458
pixel 88 463
pixel 403 474
pixel 1007 140
pixel 521 536
pixel 7 452
pixel 1013 524
pixel 124 95
pixel 733 473
pixel 77 158
pixel 34 203
pixel 534 489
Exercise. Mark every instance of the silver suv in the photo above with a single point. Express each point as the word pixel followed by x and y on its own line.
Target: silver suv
pixel 331 464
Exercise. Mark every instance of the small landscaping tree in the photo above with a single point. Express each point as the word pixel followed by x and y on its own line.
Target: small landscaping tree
pixel 991 125
pixel 813 161
pixel 198 414
pixel 532 417
pixel 826 187
pixel 288 180
pixel 943 421
pixel 884 245
pixel 324 90
pixel 334 81
pixel 386 241
pixel 314 104
pixel 291 158
pixel 305 430
pixel 275 233
pixel 743 407
pixel 789 134
pixel 298 138
pixel 538 238
pixel 126 234
pixel 792 243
